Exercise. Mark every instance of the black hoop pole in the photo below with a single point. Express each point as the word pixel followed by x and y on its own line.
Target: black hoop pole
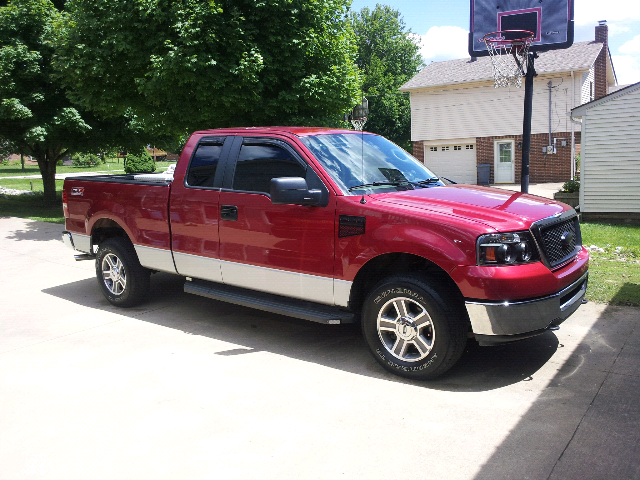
pixel 526 122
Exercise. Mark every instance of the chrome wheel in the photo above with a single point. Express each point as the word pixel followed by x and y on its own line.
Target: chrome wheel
pixel 114 275
pixel 405 329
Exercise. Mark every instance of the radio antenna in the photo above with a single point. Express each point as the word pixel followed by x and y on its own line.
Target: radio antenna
pixel 358 118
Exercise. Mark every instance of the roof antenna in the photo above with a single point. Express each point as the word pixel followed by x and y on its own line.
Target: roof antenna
pixel 358 118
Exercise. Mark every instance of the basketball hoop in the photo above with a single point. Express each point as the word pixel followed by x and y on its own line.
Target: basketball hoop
pixel 508 50
pixel 358 123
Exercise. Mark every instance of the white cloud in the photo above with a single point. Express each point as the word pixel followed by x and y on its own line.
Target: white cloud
pixel 591 11
pixel 632 46
pixel 627 69
pixel 444 43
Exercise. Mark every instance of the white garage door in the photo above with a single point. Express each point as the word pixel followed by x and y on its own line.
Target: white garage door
pixel 456 161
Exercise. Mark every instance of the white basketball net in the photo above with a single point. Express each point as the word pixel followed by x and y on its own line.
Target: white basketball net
pixel 358 123
pixel 509 58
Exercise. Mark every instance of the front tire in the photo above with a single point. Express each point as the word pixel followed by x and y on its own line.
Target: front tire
pixel 414 326
pixel 123 281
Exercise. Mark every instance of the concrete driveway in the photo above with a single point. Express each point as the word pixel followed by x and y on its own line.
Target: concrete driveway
pixel 189 388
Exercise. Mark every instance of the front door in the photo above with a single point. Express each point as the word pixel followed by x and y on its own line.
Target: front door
pixel 281 249
pixel 503 162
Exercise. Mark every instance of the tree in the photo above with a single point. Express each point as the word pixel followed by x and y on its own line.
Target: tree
pixel 387 58
pixel 36 117
pixel 188 64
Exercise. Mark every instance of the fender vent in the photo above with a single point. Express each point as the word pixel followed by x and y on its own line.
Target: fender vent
pixel 351 225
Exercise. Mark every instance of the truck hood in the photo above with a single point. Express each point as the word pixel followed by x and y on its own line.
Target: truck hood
pixel 503 210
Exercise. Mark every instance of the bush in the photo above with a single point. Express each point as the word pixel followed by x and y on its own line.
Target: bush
pixel 571 186
pixel 141 163
pixel 84 160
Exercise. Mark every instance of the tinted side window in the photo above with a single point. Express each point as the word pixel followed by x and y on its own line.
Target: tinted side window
pixel 258 164
pixel 203 166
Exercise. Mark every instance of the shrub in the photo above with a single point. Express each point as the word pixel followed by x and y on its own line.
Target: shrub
pixel 571 186
pixel 84 160
pixel 141 163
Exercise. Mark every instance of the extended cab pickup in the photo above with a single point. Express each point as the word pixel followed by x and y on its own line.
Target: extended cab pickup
pixel 336 226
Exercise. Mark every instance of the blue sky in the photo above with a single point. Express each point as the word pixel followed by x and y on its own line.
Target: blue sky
pixel 443 27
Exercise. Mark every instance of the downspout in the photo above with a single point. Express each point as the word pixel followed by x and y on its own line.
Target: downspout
pixel 549 84
pixel 573 137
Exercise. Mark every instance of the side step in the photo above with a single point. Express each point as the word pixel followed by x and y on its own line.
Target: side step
pixel 290 307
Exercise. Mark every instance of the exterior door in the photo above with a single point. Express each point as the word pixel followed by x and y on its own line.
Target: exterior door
pixel 280 249
pixel 503 162
pixel 456 161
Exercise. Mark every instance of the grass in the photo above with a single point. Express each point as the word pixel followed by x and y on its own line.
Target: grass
pixel 32 207
pixel 113 165
pixel 614 269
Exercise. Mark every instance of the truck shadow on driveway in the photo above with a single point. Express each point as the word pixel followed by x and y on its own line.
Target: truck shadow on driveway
pixel 336 346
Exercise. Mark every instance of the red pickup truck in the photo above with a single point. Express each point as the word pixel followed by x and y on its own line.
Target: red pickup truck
pixel 336 226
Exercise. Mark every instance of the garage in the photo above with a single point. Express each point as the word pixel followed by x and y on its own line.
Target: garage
pixel 456 161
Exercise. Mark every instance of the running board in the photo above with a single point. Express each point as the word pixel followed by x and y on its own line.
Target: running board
pixel 289 307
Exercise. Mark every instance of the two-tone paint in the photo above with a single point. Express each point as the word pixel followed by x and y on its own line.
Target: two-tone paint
pixel 297 251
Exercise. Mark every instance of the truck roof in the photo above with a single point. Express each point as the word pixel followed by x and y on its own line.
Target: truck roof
pixel 297 131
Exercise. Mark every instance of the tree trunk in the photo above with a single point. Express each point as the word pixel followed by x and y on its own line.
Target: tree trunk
pixel 47 165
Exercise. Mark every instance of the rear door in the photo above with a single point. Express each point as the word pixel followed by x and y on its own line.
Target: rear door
pixel 195 211
pixel 281 249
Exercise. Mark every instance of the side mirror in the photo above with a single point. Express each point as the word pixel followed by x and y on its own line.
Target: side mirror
pixel 293 191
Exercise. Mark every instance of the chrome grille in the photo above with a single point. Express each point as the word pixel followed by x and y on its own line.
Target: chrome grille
pixel 560 239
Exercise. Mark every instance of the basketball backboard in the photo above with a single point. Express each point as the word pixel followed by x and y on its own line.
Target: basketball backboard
pixel 551 22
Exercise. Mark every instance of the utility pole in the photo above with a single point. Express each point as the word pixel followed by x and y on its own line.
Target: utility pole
pixel 526 122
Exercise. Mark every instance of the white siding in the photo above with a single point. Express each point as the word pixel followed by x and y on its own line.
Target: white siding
pixel 480 110
pixel 588 85
pixel 611 155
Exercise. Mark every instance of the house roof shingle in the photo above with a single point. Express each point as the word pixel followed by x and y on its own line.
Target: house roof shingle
pixel 580 56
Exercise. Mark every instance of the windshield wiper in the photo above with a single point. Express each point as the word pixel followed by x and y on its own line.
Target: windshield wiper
pixel 379 184
pixel 428 181
pixel 404 183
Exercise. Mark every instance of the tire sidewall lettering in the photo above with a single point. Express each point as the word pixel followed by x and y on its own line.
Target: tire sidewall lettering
pixel 399 291
pixel 404 368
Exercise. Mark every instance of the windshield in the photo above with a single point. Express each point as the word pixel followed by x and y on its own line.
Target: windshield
pixel 368 163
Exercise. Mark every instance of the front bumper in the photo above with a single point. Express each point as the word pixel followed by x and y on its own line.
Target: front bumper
pixel 498 322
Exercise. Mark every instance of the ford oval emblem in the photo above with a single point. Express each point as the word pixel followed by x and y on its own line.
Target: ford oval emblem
pixel 566 239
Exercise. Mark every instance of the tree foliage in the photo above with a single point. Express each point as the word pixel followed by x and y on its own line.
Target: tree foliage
pixel 188 64
pixel 36 117
pixel 387 57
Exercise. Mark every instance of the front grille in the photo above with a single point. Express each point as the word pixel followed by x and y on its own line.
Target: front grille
pixel 560 241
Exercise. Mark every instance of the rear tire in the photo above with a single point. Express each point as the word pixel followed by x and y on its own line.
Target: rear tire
pixel 123 281
pixel 414 326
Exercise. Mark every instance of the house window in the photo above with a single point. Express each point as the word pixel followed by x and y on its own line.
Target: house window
pixel 445 148
pixel 457 147
pixel 433 149
pixel 469 147
pixel 505 152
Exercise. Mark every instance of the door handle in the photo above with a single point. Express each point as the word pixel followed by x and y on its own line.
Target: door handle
pixel 229 212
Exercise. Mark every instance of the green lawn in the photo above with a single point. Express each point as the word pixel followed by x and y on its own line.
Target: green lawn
pixel 614 273
pixel 31 207
pixel 113 165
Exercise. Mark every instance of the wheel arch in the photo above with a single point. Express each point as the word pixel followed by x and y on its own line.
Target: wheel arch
pixel 389 264
pixel 105 228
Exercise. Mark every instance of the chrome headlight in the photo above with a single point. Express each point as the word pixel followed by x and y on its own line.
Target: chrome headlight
pixel 515 248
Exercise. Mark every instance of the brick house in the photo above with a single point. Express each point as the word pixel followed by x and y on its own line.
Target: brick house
pixel 459 120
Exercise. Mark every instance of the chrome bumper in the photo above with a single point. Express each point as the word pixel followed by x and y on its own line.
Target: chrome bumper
pixel 496 322
pixel 78 242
